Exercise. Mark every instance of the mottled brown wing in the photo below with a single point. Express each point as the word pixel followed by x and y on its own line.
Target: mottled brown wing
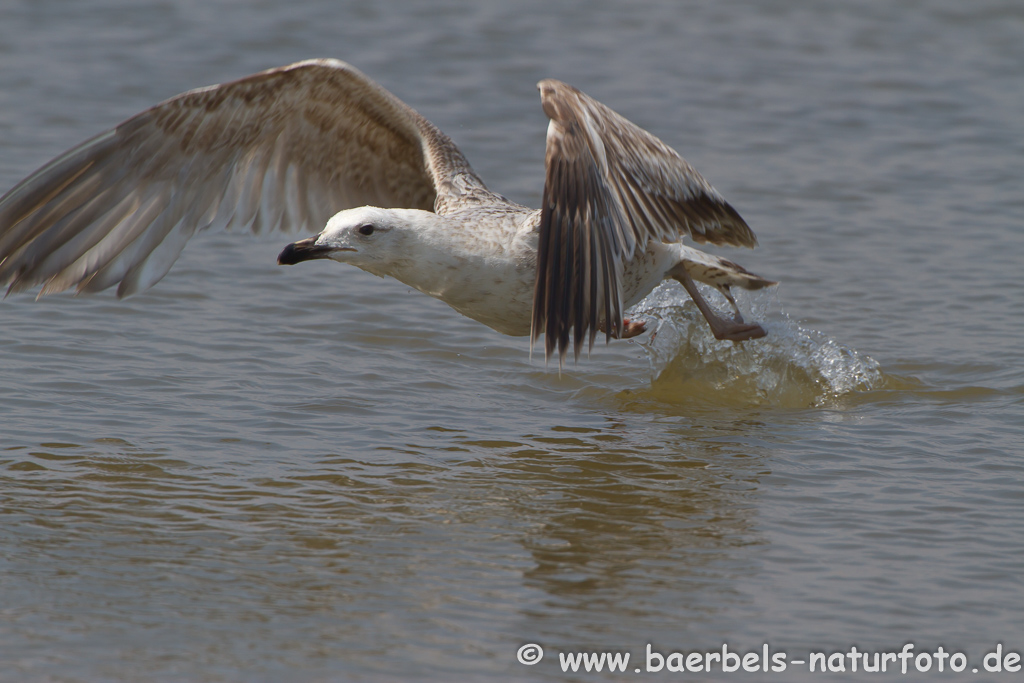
pixel 282 149
pixel 610 187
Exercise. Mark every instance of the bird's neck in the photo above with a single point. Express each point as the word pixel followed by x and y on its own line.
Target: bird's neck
pixel 472 265
pixel 434 250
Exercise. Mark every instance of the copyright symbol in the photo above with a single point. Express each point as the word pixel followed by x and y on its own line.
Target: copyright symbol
pixel 530 654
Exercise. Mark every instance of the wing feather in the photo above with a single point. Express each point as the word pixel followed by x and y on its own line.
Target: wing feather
pixel 283 149
pixel 610 187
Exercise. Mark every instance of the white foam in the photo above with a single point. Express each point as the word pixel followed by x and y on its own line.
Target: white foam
pixel 792 366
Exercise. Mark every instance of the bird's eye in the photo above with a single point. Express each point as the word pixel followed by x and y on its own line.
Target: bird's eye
pixel 366 229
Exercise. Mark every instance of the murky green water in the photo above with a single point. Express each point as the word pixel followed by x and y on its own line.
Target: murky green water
pixel 252 473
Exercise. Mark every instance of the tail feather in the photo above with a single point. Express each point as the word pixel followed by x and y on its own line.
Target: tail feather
pixel 720 273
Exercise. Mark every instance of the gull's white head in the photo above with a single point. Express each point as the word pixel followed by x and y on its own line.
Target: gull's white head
pixel 368 237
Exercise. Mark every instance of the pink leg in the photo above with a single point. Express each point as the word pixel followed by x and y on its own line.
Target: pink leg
pixel 722 328
pixel 630 328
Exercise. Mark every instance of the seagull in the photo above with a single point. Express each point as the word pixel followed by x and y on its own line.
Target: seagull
pixel 319 143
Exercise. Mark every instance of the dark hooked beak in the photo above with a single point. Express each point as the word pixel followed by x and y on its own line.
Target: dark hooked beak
pixel 304 250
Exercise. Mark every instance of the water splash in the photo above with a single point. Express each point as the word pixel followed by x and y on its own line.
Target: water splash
pixel 791 367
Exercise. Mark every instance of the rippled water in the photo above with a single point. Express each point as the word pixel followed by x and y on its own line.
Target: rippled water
pixel 256 473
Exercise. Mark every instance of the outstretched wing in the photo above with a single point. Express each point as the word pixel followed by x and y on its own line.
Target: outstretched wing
pixel 610 187
pixel 282 149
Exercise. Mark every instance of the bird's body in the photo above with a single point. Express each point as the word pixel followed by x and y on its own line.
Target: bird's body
pixel 485 274
pixel 489 274
pixel 318 140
